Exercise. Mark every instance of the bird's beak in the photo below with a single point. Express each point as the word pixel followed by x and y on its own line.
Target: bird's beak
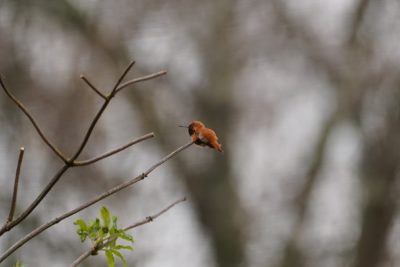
pixel 182 126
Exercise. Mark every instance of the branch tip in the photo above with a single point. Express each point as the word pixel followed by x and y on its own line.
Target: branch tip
pixel 32 120
pixel 128 68
pixel 92 86
pixel 16 182
pixel 140 79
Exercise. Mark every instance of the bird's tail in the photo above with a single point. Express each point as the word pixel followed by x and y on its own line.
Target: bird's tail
pixel 218 147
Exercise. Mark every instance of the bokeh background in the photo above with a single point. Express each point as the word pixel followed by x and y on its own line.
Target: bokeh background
pixel 304 95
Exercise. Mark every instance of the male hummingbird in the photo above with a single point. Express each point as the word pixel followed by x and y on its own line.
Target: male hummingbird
pixel 203 136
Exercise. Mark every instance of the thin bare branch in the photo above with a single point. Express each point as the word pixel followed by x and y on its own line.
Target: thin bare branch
pixel 114 151
pixel 90 129
pixel 92 87
pixel 99 113
pixel 81 258
pixel 141 79
pixel 15 192
pixel 26 112
pixel 167 157
pixel 102 196
pixel 155 216
pixel 146 220
pixel 68 162
pixel 36 202
pixel 114 90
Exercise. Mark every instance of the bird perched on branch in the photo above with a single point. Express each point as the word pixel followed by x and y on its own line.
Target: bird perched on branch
pixel 203 136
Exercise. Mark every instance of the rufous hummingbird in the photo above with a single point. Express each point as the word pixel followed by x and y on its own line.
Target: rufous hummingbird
pixel 203 136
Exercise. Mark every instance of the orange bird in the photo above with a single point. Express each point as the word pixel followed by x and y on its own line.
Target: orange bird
pixel 203 136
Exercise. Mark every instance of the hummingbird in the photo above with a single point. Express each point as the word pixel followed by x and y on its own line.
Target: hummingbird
pixel 203 136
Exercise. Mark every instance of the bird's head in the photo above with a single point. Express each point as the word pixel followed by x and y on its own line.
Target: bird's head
pixel 193 126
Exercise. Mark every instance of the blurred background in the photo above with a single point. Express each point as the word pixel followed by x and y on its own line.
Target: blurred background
pixel 304 96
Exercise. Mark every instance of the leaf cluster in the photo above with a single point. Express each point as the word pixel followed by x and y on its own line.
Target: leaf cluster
pixel 104 235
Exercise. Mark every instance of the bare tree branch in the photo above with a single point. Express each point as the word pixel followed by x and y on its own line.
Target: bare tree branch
pixel 114 90
pixel 26 112
pixel 99 113
pixel 140 79
pixel 15 192
pixel 114 151
pixel 93 87
pixel 155 216
pixel 68 162
pixel 36 202
pixel 102 196
pixel 146 220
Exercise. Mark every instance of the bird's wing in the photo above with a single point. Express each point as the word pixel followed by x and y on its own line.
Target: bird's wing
pixel 203 138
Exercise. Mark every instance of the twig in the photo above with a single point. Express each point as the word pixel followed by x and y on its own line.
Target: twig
pixel 152 168
pixel 93 87
pixel 26 112
pixel 68 162
pixel 99 113
pixel 104 195
pixel 140 79
pixel 114 90
pixel 144 221
pixel 155 216
pixel 57 176
pixel 114 151
pixel 15 192
pixel 36 202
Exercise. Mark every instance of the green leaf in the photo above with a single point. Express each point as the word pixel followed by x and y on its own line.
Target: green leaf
pixel 124 247
pixel 112 243
pixel 112 231
pixel 125 236
pixel 82 224
pixel 96 224
pixel 105 216
pixel 114 222
pixel 82 236
pixel 119 255
pixel 82 231
pixel 109 258
pixel 94 230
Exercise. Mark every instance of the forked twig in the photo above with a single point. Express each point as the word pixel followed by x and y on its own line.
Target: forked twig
pixel 52 182
pixel 16 181
pixel 68 162
pixel 104 195
pixel 99 113
pixel 26 112
pixel 33 205
pixel 146 220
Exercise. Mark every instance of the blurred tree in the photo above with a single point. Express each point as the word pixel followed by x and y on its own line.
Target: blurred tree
pixel 245 68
